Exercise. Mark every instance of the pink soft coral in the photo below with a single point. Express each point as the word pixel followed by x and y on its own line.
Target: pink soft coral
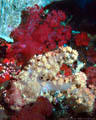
pixel 13 98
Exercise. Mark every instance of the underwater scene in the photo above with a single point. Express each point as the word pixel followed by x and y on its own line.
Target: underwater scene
pixel 47 60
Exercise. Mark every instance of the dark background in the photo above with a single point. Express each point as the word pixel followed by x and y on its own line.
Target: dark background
pixel 83 13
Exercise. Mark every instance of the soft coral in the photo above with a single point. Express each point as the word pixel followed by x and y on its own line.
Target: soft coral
pixel 37 34
pixel 41 108
pixel 91 74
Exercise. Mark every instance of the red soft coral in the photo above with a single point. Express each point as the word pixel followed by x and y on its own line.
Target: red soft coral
pixel 91 74
pixel 67 70
pixel 37 34
pixel 8 68
pixel 82 39
pixel 41 108
pixel 26 114
pixel 91 55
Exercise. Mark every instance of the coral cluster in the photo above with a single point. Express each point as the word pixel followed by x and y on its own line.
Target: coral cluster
pixel 42 68
pixel 47 65
pixel 41 76
pixel 8 68
pixel 39 33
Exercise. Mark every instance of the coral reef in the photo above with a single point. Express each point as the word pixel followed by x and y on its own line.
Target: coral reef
pixel 46 63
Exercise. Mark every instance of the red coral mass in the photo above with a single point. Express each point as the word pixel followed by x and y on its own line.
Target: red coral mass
pixel 67 70
pixel 91 74
pixel 82 39
pixel 41 108
pixel 36 35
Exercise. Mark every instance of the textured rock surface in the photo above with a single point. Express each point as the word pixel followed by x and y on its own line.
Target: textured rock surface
pixel 10 12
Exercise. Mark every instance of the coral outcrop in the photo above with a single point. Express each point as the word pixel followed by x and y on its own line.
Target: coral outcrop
pixel 41 76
